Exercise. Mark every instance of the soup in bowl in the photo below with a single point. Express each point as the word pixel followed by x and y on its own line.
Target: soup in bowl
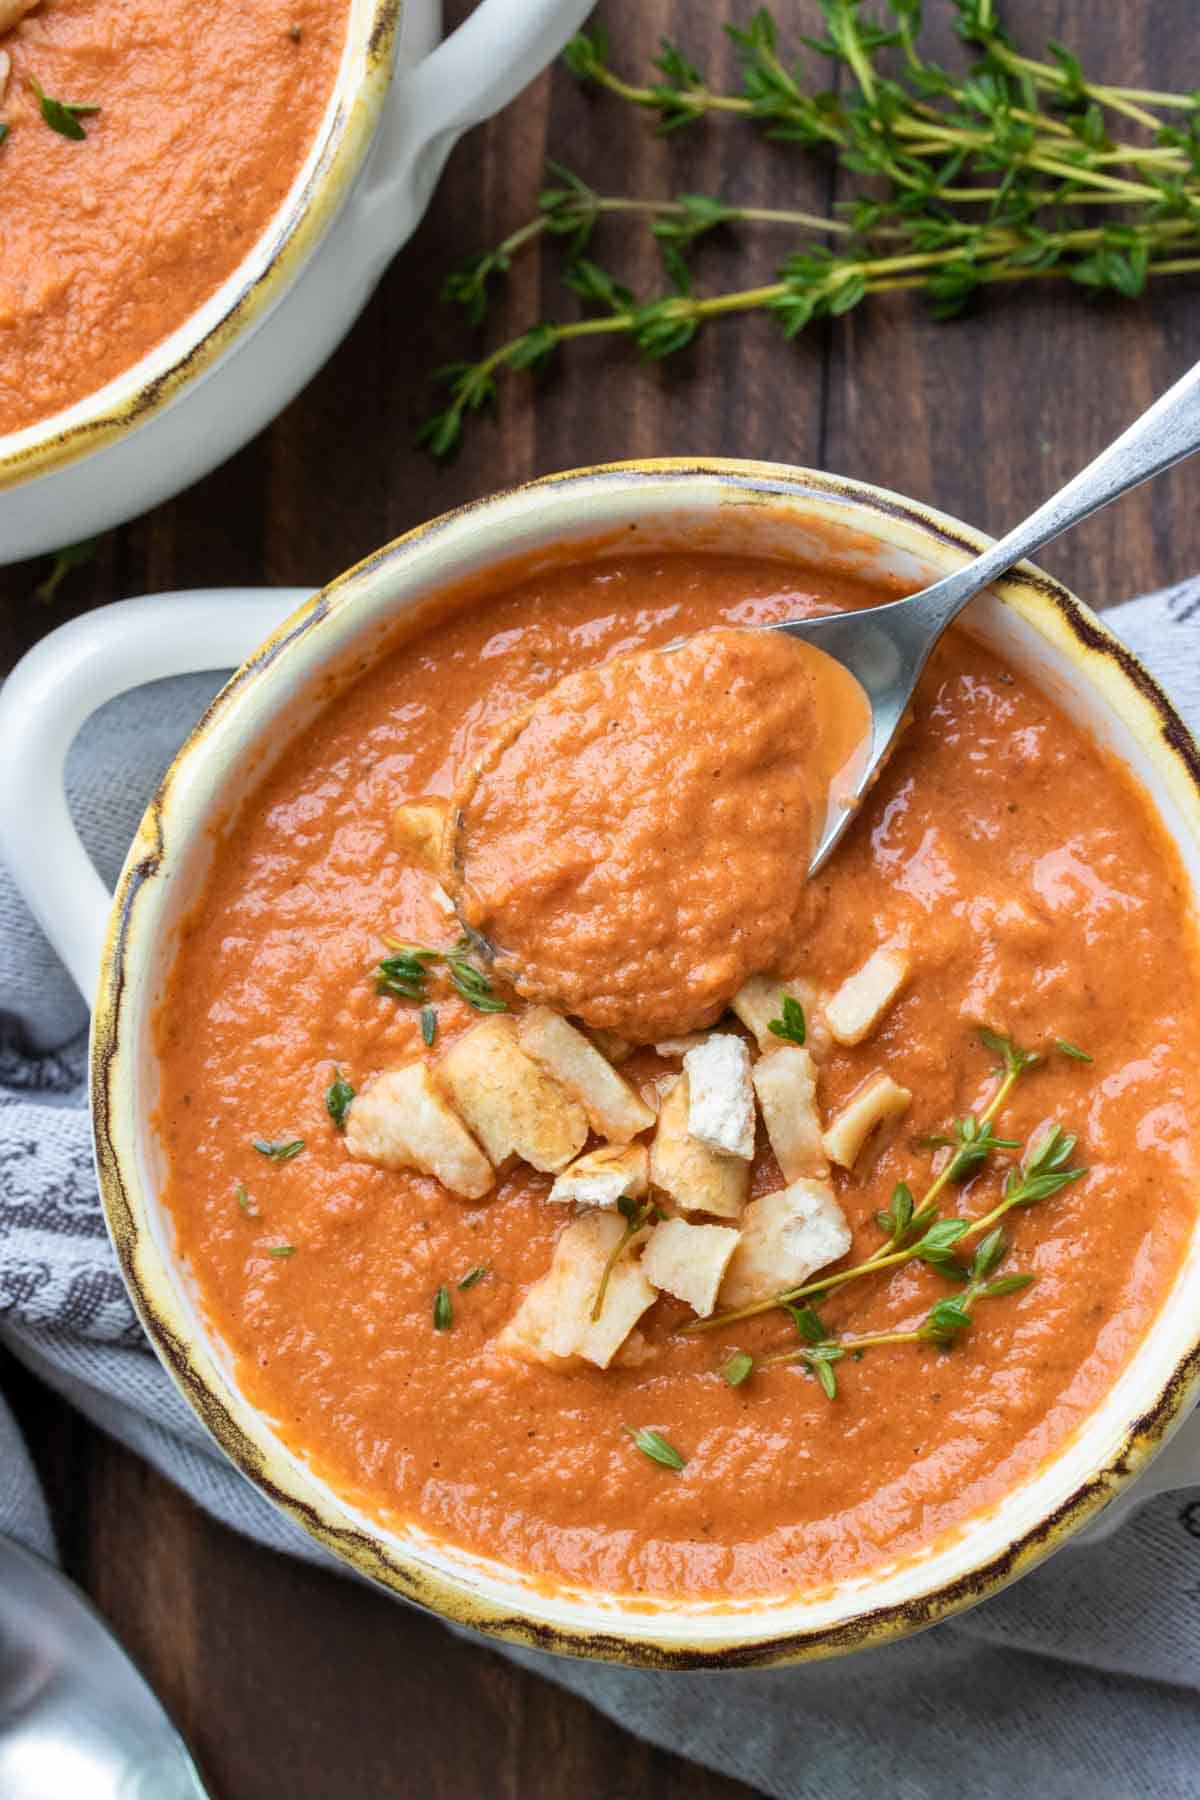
pixel 197 201
pixel 777 1335
pixel 170 142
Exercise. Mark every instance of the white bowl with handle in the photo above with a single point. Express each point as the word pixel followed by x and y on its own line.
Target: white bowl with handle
pixel 120 952
pixel 402 99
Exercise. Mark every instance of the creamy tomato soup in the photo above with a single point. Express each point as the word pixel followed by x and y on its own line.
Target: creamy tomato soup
pixel 108 242
pixel 665 785
pixel 557 1382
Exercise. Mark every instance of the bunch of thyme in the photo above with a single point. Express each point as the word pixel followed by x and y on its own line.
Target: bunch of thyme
pixel 1014 169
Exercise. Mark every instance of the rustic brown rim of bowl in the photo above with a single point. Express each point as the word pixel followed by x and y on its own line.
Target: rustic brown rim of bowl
pixel 346 134
pixel 1110 668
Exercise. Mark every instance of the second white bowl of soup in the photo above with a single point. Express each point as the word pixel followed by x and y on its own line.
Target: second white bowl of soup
pixel 194 218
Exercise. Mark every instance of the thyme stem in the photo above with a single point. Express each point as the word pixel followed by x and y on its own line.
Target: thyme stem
pixel 934 144
pixel 847 1345
pixel 926 1207
pixel 975 1143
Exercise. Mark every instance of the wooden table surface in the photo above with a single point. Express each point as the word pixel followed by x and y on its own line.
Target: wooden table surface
pixel 298 1684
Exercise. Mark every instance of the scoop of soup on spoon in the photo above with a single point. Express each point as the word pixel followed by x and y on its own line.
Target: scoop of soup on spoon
pixel 633 845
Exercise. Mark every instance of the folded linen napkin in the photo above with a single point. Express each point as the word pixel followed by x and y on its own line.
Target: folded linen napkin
pixel 1083 1679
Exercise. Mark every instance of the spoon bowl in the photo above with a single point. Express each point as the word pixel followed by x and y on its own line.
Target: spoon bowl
pixel 886 647
pixel 76 1717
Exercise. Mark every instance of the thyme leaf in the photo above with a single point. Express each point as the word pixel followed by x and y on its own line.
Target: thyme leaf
pixel 443 1310
pixel 63 116
pixel 282 1151
pixel 473 985
pixel 405 973
pixel 1007 1284
pixel 822 1368
pixel 473 1276
pixel 1013 1060
pixel 973 1141
pixel 653 1444
pixel 988 1253
pixel 1044 1170
pixel 791 1026
pixel 338 1096
pixel 894 1223
pixel 940 1236
pixel 807 1323
pixel 71 556
pixel 946 1320
pixel 738 1368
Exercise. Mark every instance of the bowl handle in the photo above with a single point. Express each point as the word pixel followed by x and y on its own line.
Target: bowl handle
pixel 43 703
pixel 471 74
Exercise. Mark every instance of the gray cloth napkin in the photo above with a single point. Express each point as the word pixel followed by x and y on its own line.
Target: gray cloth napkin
pixel 1084 1679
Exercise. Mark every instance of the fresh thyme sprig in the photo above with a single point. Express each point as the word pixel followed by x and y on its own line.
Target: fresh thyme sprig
pixel 404 975
pixel 636 1218
pixel 942 1326
pixel 570 210
pixel 972 1140
pixel 472 984
pixel 975 178
pixel 818 1352
pixel 1042 1173
pixel 914 1232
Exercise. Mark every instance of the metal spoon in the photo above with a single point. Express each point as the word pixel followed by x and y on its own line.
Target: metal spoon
pixel 886 647
pixel 76 1718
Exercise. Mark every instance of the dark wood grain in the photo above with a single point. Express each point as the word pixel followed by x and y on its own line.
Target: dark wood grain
pixel 296 1683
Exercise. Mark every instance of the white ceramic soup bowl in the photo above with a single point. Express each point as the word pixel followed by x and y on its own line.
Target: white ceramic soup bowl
pixel 401 101
pixel 124 952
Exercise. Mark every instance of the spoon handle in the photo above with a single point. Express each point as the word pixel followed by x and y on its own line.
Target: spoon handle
pixel 1164 434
